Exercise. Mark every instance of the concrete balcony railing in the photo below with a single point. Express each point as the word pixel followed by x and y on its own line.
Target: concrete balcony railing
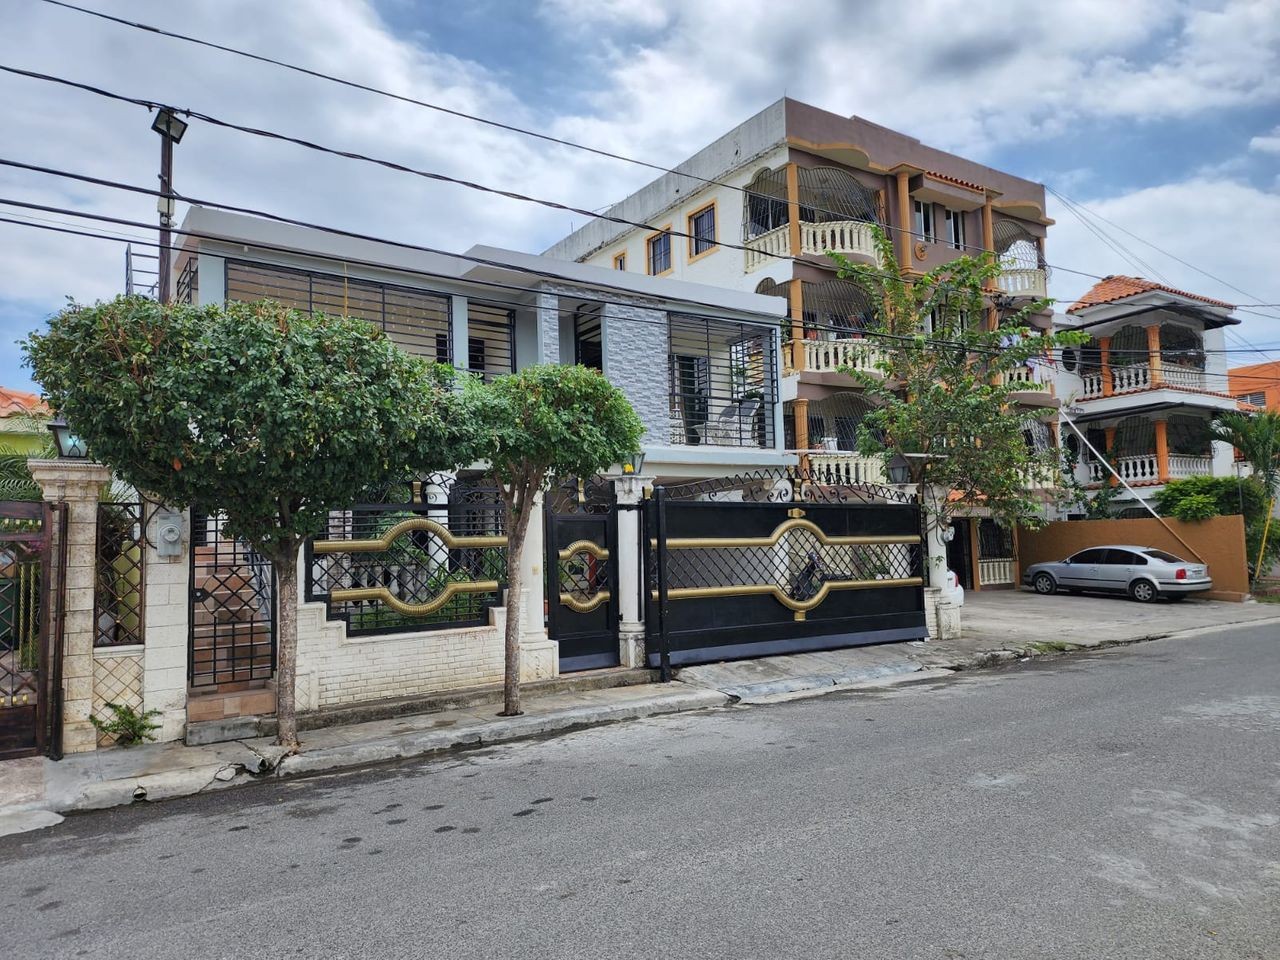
pixel 1023 282
pixel 1187 378
pixel 1145 468
pixel 1182 466
pixel 841 468
pixel 850 237
pixel 1138 376
pixel 994 572
pixel 1041 478
pixel 1024 379
pixel 830 356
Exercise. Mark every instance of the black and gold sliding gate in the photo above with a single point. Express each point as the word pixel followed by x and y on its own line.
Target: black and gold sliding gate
pixel 582 585
pixel 775 566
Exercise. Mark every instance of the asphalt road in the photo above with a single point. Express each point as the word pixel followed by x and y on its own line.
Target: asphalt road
pixel 1123 804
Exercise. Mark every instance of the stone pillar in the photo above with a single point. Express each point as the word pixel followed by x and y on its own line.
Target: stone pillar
pixel 1162 449
pixel 1154 360
pixel 78 484
pixel 1104 352
pixel 165 620
pixel 629 558
pixel 539 654
pixel 548 315
pixel 795 298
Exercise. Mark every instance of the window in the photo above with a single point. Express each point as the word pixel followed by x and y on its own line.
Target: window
pixel 1258 399
pixel 1165 557
pixel 702 231
pixel 490 340
pixel 659 253
pixel 923 220
pixel 955 229
pixel 1089 556
pixel 475 354
pixel 1124 558
pixel 620 261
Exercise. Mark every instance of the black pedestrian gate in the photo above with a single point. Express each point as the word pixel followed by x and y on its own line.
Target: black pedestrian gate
pixel 30 629
pixel 758 566
pixel 582 575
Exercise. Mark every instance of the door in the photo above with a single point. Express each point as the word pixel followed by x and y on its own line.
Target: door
pixel 1120 568
pixel 958 553
pixel 1083 570
pixel 582 590
pixel 27 615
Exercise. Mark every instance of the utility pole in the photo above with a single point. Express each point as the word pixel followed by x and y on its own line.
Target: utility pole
pixel 171 130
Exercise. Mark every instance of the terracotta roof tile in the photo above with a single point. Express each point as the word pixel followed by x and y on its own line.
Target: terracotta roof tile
pixel 967 184
pixel 1118 287
pixel 18 401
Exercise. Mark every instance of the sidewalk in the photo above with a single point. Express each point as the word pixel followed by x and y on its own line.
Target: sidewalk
pixel 999 628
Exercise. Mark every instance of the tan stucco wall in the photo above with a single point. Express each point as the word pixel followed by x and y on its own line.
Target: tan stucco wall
pixel 1219 542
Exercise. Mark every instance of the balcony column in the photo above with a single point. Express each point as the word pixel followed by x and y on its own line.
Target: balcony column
pixel 904 220
pixel 795 296
pixel 1110 433
pixel 1162 449
pixel 1104 350
pixel 793 207
pixel 800 410
pixel 1153 355
pixel 989 236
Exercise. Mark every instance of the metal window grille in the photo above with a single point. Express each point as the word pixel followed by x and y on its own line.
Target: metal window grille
pixel 723 387
pixel 490 340
pixel 765 203
pixel 22 557
pixel 702 226
pixel 119 579
pixel 659 248
pixel 994 541
pixel 428 554
pixel 588 343
pixel 1257 399
pixel 414 319
pixel 188 291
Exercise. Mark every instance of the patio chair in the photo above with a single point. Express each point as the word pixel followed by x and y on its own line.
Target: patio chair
pixel 723 429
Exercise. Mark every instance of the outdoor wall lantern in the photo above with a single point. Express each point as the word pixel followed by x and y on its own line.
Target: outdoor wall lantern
pixel 633 465
pixel 68 442
pixel 168 125
pixel 898 469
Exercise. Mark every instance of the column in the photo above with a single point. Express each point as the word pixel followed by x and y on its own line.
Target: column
pixel 628 552
pixel 165 619
pixel 988 239
pixel 1104 351
pixel 975 554
pixel 1162 449
pixel 800 407
pixel 793 207
pixel 795 296
pixel 548 316
pixel 78 484
pixel 458 332
pixel 1154 360
pixel 1110 433
pixel 905 236
pixel 539 654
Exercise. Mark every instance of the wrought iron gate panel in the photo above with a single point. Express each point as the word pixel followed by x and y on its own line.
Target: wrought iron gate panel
pixel 582 581
pixel 27 617
pixel 233 607
pixel 792 575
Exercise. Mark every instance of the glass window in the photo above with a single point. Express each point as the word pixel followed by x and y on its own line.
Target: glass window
pixel 1089 556
pixel 1165 557
pixel 1124 558
pixel 620 261
pixel 702 231
pixel 955 229
pixel 923 220
pixel 723 382
pixel 659 247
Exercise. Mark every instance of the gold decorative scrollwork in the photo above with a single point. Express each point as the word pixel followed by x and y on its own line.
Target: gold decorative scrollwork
pixel 584 546
pixel 584 606
pixel 383 595
pixel 445 535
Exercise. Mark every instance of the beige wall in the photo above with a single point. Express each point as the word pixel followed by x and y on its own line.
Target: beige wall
pixel 1218 541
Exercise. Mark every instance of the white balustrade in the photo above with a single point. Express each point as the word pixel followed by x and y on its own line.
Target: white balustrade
pixel 1181 466
pixel 1187 378
pixel 1023 282
pixel 1041 478
pixel 836 468
pixel 994 572
pixel 1023 378
pixel 1128 379
pixel 766 246
pixel 1092 386
pixel 830 356
pixel 838 236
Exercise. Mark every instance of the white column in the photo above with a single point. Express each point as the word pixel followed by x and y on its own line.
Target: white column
pixel 165 622
pixel 628 556
pixel 78 484
pixel 458 325
pixel 539 654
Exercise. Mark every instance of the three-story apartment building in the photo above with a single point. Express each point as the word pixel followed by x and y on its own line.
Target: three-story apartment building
pixel 1147 385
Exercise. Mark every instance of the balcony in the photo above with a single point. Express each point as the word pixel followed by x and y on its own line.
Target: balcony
pixel 841 468
pixel 834 356
pixel 1023 282
pixel 849 237
pixel 1145 468
pixel 1138 376
pixel 1027 386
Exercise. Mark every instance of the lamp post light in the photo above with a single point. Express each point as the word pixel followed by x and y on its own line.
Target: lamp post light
pixel 632 466
pixel 171 129
pixel 70 445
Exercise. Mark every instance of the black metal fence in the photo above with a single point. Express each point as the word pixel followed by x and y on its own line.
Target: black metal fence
pixel 427 554
pixel 119 583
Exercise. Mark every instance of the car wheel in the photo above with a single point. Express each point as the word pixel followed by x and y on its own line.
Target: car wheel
pixel 1144 591
pixel 1044 584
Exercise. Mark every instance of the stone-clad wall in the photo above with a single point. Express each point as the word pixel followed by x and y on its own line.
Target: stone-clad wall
pixel 635 361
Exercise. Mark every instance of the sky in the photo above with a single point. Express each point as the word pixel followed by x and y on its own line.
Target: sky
pixel 1160 116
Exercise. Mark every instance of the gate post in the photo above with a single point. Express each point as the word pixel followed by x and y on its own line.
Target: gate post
pixel 539 654
pixel 629 490
pixel 78 484
pixel 166 618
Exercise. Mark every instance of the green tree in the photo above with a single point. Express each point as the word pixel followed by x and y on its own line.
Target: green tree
pixel 1202 497
pixel 942 390
pixel 1257 437
pixel 543 422
pixel 268 414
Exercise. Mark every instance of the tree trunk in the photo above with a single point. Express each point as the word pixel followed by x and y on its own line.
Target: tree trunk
pixel 286 568
pixel 517 529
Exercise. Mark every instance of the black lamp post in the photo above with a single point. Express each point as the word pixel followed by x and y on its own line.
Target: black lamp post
pixel 70 445
pixel 171 130
pixel 899 470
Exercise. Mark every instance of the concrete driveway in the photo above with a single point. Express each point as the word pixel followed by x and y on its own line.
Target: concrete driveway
pixel 997 616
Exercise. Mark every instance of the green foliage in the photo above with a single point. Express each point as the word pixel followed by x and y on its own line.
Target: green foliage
pixel 1196 506
pixel 274 415
pixel 1257 437
pixel 127 725
pixel 15 478
pixel 1199 498
pixel 940 391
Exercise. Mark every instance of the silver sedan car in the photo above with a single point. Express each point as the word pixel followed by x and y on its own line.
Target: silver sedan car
pixel 1144 573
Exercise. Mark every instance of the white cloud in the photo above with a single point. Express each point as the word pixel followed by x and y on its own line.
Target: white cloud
pixel 1269 143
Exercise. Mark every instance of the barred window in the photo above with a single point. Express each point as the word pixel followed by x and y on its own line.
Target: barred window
pixel 702 230
pixel 723 385
pixel 659 250
pixel 415 320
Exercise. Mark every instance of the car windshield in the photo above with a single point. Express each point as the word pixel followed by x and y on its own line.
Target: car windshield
pixel 1161 555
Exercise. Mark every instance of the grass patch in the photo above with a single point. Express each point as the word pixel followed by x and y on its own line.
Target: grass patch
pixel 1052 646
